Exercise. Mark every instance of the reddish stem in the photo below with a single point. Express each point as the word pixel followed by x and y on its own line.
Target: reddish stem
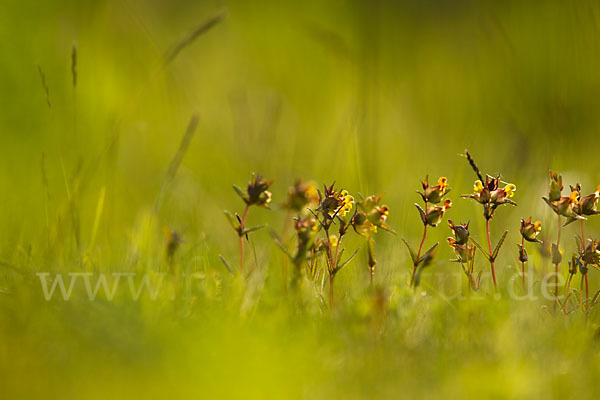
pixel 523 262
pixel 412 278
pixel 585 276
pixel 331 265
pixel 487 229
pixel 556 267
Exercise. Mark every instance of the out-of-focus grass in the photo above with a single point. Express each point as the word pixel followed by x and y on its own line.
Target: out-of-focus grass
pixel 372 94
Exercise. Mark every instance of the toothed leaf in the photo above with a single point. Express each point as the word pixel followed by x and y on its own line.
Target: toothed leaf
pixel 580 244
pixel 347 261
pixel 279 243
pixel 422 213
pixel 226 264
pixel 240 193
pixel 485 253
pixel 254 228
pixel 428 256
pixel 413 255
pixel 499 245
pixel 232 220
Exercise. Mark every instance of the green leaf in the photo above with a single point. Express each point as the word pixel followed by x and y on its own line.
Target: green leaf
pixel 428 256
pixel 556 254
pixel 347 261
pixel 387 228
pixel 594 299
pixel 479 279
pixel 279 243
pixel 240 193
pixel 417 281
pixel 485 253
pixel 422 213
pixel 499 245
pixel 550 204
pixel 254 228
pixel 571 220
pixel 226 264
pixel 580 245
pixel 232 220
pixel 413 256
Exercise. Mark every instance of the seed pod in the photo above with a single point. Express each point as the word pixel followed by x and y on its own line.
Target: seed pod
pixel 556 254
pixel 461 232
pixel 522 253
pixel 573 264
pixel 435 214
pixel 556 186
pixel 588 205
pixel 530 230
pixel 434 194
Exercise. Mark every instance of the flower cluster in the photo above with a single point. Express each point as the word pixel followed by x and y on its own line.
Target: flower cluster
pixel 366 220
pixel 531 230
pixel 465 252
pixel 333 203
pixel 490 195
pixel 324 217
pixel 256 194
pixel 573 207
pixel 434 194
pixel 431 215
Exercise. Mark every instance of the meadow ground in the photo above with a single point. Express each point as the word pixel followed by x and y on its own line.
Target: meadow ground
pixel 96 165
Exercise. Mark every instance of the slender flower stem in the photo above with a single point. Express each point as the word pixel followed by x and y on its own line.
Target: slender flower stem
pixel 556 265
pixel 487 229
pixel 412 278
pixel 337 250
pixel 242 226
pixel 523 262
pixel 331 266
pixel 585 276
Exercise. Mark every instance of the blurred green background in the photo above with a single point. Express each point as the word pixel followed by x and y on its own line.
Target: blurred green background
pixel 374 95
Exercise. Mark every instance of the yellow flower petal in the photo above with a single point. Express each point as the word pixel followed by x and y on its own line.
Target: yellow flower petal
pixel 510 189
pixel 573 197
pixel 447 204
pixel 478 187
pixel 443 182
pixel 333 240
